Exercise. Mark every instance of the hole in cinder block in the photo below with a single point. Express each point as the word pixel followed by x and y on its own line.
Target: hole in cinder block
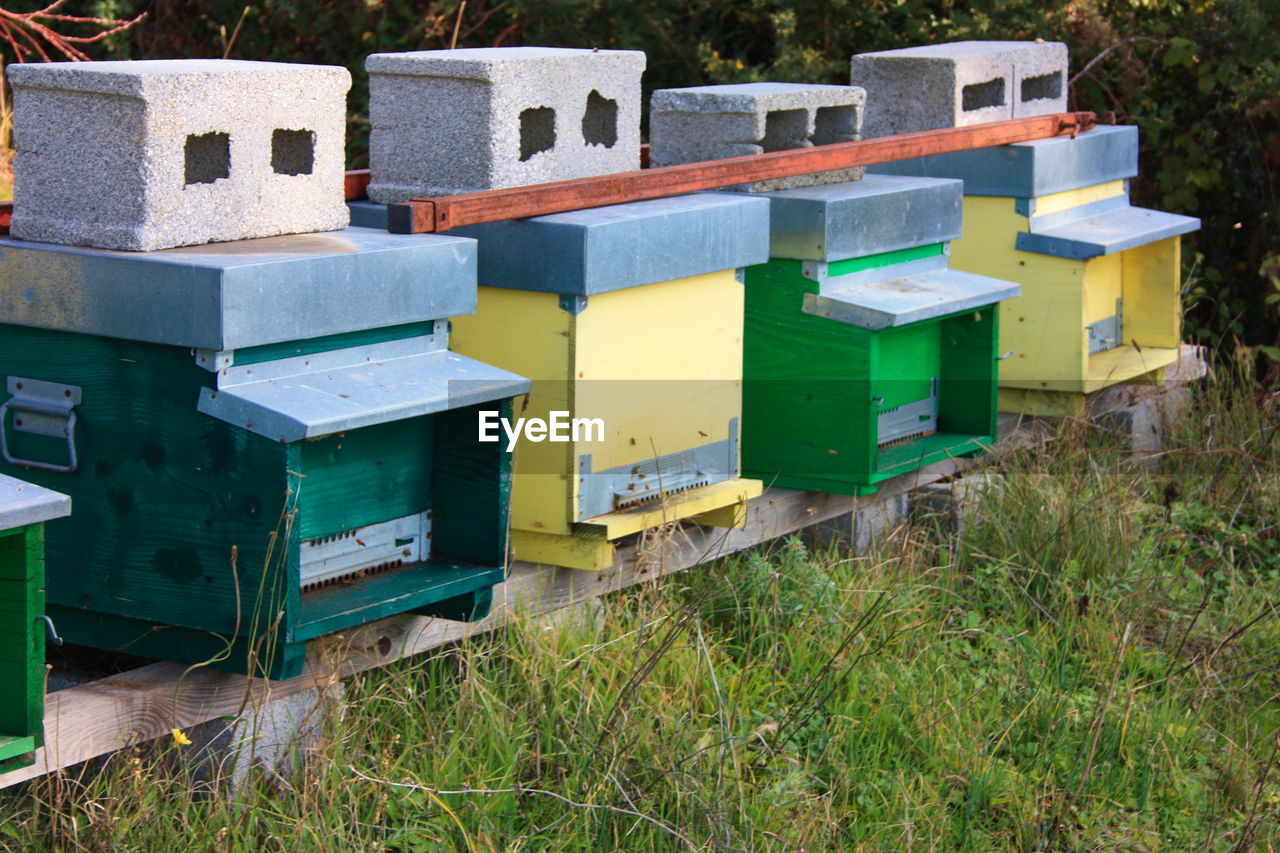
pixel 600 121
pixel 1041 87
pixel 979 96
pixel 293 152
pixel 834 124
pixel 208 157
pixel 785 129
pixel 537 131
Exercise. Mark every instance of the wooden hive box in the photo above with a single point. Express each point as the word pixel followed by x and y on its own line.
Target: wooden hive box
pixel 866 355
pixel 1101 279
pixel 266 440
pixel 24 508
pixel 631 314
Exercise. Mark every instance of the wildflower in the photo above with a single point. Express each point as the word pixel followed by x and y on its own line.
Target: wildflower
pixel 179 738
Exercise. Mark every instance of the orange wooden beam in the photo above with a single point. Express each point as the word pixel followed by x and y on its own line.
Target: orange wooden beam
pixel 355 185
pixel 440 214
pixel 419 216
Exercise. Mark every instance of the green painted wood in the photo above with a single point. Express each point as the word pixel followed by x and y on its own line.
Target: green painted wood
pixel 970 392
pixel 399 591
pixel 163 493
pixel 469 607
pixel 800 369
pixel 368 475
pixel 165 496
pixel 16 752
pixel 21 645
pixel 884 259
pixel 264 655
pixel 473 490
pixel 812 387
pixel 288 349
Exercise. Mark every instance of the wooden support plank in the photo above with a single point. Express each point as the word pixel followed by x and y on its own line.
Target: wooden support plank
pixel 419 216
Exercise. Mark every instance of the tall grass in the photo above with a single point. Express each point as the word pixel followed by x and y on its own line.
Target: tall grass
pixel 1092 664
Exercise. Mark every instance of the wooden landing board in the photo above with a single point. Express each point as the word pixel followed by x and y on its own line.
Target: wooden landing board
pixel 103 716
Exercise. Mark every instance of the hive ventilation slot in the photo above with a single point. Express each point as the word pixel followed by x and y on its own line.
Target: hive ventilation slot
pixel 361 551
pixel 910 420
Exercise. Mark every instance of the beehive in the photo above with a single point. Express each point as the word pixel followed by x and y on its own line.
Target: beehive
pixel 1100 278
pixel 866 356
pixel 266 440
pixel 631 314
pixel 24 508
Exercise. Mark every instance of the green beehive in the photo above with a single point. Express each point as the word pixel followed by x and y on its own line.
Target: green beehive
pixel 23 510
pixel 266 440
pixel 865 355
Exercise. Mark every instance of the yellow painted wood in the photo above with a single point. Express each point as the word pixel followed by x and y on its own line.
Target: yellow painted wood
pixel 1045 326
pixel 1125 364
pixel 1102 287
pixel 1153 287
pixel 733 516
pixel 660 364
pixel 588 552
pixel 528 333
pixel 699 504
pixel 1062 404
pixel 1059 202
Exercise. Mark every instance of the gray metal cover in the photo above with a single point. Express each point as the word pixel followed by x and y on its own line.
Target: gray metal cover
pixel 367 214
pixel 1037 168
pixel 224 296
pixel 613 489
pixel 24 503
pixel 1105 233
pixel 1107 333
pixel 880 213
pixel 910 419
pixel 585 252
pixel 310 396
pixel 904 293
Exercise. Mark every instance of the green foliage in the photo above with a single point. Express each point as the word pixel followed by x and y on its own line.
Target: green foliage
pixel 1201 78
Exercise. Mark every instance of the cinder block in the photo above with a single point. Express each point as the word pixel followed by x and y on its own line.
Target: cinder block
pixel 960 83
pixel 457 121
pixel 153 154
pixel 712 122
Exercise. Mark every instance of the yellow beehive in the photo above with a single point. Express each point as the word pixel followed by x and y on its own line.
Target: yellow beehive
pixel 1101 279
pixel 631 315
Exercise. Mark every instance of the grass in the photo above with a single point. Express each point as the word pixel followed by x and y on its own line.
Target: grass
pixel 1091 665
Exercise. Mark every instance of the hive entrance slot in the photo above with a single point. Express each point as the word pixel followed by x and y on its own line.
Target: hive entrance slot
pixel 293 152
pixel 1042 87
pixel 537 131
pixel 909 421
pixel 208 158
pixel 348 555
pixel 978 96
pixel 600 120
pixel 656 478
